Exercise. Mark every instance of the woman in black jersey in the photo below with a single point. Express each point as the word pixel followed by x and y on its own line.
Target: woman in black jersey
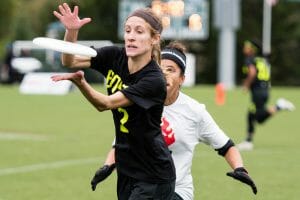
pixel 257 81
pixel 136 93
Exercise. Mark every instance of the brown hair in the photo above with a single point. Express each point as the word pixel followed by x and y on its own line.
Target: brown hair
pixel 155 23
pixel 177 45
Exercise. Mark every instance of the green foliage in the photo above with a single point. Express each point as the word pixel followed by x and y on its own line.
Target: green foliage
pixel 285 43
pixel 7 12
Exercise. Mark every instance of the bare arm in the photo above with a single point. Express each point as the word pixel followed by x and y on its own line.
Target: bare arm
pixel 233 158
pixel 250 78
pixel 100 101
pixel 72 23
pixel 110 159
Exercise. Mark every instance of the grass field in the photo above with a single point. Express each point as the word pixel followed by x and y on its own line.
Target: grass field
pixel 50 147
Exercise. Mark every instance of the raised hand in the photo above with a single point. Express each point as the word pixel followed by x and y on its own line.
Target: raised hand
pixel 70 19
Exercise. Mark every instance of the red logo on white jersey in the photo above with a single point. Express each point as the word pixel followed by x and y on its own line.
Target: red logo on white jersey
pixel 167 131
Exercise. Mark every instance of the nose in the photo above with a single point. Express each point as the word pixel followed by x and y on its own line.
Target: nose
pixel 129 36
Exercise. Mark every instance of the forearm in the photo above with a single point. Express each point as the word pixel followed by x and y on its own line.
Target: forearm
pixel 250 77
pixel 247 82
pixel 233 158
pixel 97 99
pixel 70 36
pixel 110 159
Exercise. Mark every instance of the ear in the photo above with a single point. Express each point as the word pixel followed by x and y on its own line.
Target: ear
pixel 155 39
pixel 182 78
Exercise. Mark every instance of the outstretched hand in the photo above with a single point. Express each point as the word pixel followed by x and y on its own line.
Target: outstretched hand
pixel 75 77
pixel 241 174
pixel 101 174
pixel 70 19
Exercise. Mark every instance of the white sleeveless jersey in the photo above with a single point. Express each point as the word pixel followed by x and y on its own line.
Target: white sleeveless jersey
pixel 191 125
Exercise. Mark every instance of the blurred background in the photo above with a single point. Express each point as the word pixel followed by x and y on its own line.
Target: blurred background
pixel 50 145
pixel 214 32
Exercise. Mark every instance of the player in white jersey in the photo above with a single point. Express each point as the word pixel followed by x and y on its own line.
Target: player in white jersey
pixel 186 123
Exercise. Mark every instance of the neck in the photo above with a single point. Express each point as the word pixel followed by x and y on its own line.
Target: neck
pixel 171 98
pixel 137 63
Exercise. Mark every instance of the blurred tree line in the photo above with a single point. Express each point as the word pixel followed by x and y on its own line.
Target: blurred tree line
pixel 26 19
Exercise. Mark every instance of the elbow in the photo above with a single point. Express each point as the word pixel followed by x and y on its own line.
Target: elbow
pixel 67 62
pixel 101 108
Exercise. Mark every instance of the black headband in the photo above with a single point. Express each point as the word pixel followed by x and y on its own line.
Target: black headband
pixel 177 56
pixel 148 18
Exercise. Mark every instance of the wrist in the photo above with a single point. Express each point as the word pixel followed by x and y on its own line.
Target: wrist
pixel 241 169
pixel 71 35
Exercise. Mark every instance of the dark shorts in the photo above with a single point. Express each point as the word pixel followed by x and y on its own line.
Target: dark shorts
pixel 260 98
pixel 131 189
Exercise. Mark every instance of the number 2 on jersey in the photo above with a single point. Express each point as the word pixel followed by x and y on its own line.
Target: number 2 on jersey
pixel 123 120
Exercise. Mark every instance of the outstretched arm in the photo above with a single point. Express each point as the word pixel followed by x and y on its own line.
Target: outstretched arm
pixel 72 23
pixel 100 101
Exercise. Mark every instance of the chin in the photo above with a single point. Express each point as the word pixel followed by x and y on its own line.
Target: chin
pixel 131 54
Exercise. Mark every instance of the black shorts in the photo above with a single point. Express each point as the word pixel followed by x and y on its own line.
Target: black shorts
pixel 131 189
pixel 260 98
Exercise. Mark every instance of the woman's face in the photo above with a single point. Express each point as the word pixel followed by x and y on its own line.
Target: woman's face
pixel 137 36
pixel 174 78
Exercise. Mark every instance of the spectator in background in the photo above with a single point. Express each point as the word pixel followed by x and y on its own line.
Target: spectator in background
pixel 257 81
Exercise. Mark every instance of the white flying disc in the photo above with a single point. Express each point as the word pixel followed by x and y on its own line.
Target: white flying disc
pixel 64 46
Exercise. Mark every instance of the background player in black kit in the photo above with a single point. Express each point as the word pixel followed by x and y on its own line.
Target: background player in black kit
pixel 257 71
pixel 136 93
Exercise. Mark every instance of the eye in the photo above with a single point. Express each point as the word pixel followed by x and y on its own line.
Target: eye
pixel 170 70
pixel 127 29
pixel 139 31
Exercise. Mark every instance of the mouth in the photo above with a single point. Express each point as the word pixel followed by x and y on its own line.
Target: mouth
pixel 131 46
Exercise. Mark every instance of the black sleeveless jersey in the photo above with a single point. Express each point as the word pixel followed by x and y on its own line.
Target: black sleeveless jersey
pixel 141 152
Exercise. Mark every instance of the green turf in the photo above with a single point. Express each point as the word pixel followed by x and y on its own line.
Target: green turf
pixel 67 140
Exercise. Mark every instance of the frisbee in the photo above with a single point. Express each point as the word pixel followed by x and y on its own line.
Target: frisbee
pixel 64 46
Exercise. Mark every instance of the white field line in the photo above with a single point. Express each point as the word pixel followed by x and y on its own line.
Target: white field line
pixel 47 166
pixel 22 136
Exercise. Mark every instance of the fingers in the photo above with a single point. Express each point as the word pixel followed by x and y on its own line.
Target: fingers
pixel 76 10
pixel 85 21
pixel 62 10
pixel 94 187
pixel 66 8
pixel 57 78
pixel 254 189
pixel 57 14
pixel 244 178
pixel 230 174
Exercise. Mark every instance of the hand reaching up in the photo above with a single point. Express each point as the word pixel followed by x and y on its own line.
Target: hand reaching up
pixel 70 19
